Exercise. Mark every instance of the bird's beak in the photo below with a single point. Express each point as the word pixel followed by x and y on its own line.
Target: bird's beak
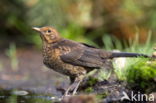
pixel 36 29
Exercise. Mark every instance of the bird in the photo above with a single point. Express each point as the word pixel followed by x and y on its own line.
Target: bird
pixel 74 59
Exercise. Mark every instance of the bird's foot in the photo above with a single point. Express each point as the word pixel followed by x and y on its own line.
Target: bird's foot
pixel 64 96
pixel 76 88
pixel 73 87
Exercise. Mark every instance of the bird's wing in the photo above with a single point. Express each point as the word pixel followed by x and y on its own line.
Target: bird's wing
pixel 82 56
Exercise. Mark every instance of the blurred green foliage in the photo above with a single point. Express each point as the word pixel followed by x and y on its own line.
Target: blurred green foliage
pixel 12 99
pixel 94 22
pixel 12 54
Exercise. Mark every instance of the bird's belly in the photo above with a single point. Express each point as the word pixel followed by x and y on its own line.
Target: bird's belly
pixel 67 69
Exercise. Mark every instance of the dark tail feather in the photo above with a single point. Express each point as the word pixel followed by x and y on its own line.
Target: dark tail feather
pixel 122 54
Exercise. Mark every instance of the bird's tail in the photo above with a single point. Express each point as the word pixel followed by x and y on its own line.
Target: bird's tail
pixel 123 54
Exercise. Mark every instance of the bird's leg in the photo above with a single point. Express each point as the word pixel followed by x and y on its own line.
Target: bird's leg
pixel 74 86
pixel 72 79
pixel 77 82
pixel 77 86
pixel 68 89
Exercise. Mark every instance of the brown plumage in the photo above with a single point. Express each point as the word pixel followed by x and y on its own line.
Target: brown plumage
pixel 72 58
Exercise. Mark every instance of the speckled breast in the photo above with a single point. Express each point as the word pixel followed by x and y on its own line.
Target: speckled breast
pixel 53 61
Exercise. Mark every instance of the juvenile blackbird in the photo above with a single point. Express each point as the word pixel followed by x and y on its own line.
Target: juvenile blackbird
pixel 72 58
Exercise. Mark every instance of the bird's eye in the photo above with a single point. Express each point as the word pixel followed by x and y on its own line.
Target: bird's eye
pixel 49 31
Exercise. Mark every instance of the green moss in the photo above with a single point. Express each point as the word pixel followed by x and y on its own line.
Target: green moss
pixel 92 81
pixel 89 90
pixel 101 96
pixel 142 73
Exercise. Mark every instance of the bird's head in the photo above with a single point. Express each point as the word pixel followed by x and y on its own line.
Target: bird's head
pixel 48 34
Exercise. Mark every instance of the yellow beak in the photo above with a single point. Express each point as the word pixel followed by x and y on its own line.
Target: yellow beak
pixel 36 29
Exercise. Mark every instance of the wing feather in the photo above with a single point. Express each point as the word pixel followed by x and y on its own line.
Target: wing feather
pixel 83 57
